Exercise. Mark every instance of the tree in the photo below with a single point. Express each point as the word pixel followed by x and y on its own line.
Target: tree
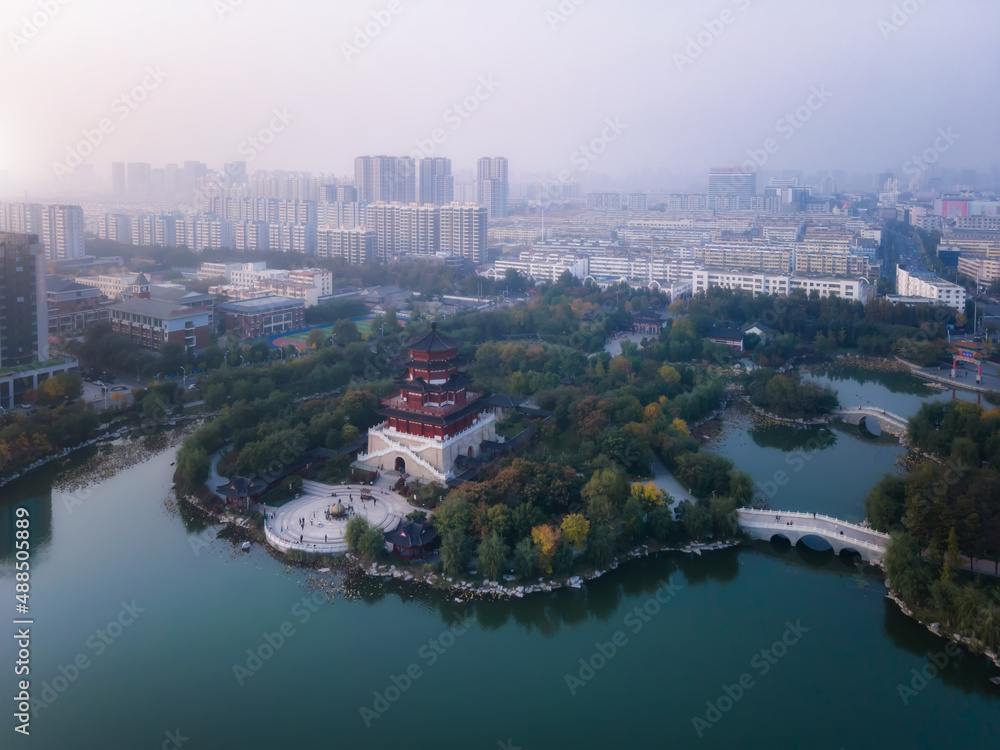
pixel 192 468
pixel 456 549
pixel 345 331
pixel 952 561
pixel 669 375
pixel 697 519
pixel 600 545
pixel 661 522
pixel 371 545
pixel 546 539
pixel 904 568
pixel 886 502
pixel 454 514
pixel 51 391
pixel 525 558
pixel 317 339
pixel 492 553
pixel 575 528
pixel 354 530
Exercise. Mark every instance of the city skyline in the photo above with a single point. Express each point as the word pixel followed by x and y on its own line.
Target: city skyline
pixel 664 114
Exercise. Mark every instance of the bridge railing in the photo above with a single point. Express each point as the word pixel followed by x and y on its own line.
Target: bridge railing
pixel 854 541
pixel 754 513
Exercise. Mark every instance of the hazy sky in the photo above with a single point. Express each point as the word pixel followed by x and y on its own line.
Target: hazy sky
pixel 554 81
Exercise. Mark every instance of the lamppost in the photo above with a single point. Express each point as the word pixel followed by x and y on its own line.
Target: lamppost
pixel 185 377
pixel 241 360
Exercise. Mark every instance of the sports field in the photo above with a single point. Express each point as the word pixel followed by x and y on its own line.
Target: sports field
pixel 298 338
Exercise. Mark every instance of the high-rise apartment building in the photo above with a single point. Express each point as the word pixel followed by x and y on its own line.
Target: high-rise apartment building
pixel 732 182
pixel 463 231
pixel 436 184
pixel 385 178
pixel 492 186
pixel 353 245
pixel 118 184
pixel 62 232
pixel 24 336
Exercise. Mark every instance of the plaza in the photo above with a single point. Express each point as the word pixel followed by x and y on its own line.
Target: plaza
pixel 321 533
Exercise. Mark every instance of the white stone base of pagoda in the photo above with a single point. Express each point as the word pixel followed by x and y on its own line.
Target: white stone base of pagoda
pixel 427 459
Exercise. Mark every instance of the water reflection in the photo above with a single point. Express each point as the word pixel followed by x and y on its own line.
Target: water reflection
pixel 787 438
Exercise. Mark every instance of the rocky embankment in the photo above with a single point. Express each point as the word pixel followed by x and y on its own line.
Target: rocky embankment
pixel 467 590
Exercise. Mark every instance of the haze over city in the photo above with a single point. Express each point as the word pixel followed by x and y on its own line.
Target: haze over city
pixel 693 85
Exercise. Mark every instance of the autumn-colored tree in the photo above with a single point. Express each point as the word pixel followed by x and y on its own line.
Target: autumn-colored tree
pixel 669 375
pixel 649 495
pixel 575 528
pixel 652 413
pixel 546 539
pixel 681 426
pixel 51 390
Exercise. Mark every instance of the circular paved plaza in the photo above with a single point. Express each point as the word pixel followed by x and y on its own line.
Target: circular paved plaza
pixel 285 529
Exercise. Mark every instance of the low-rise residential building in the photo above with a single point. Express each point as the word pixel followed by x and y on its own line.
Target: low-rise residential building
pixel 263 316
pixel 912 282
pixel 984 271
pixel 783 284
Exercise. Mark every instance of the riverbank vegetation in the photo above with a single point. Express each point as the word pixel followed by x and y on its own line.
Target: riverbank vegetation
pixel 787 396
pixel 942 510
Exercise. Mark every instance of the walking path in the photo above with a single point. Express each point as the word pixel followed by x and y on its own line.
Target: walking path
pixel 670 484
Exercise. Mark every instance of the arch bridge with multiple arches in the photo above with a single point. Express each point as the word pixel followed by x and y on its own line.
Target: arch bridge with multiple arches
pixel 794 526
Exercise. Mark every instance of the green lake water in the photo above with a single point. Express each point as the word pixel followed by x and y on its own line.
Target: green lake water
pixel 684 630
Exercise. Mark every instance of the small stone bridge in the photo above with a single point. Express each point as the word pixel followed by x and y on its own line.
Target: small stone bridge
pixel 793 526
pixel 859 415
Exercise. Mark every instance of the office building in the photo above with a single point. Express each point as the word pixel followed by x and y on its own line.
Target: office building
pixel 24 318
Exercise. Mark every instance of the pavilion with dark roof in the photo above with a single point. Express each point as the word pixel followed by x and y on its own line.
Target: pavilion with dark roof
pixel 411 540
pixel 241 491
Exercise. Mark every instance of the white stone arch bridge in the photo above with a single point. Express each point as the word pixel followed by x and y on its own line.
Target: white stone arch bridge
pixel 860 415
pixel 794 526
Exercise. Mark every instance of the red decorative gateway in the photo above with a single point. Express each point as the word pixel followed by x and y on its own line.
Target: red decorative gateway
pixel 434 400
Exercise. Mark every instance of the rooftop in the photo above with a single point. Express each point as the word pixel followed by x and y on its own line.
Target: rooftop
pixel 261 304
pixel 156 308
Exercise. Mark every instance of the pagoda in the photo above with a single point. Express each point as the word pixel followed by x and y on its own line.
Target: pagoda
pixel 433 419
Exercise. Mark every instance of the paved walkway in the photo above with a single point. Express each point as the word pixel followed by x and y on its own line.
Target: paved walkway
pixel 614 344
pixel 284 529
pixel 670 484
